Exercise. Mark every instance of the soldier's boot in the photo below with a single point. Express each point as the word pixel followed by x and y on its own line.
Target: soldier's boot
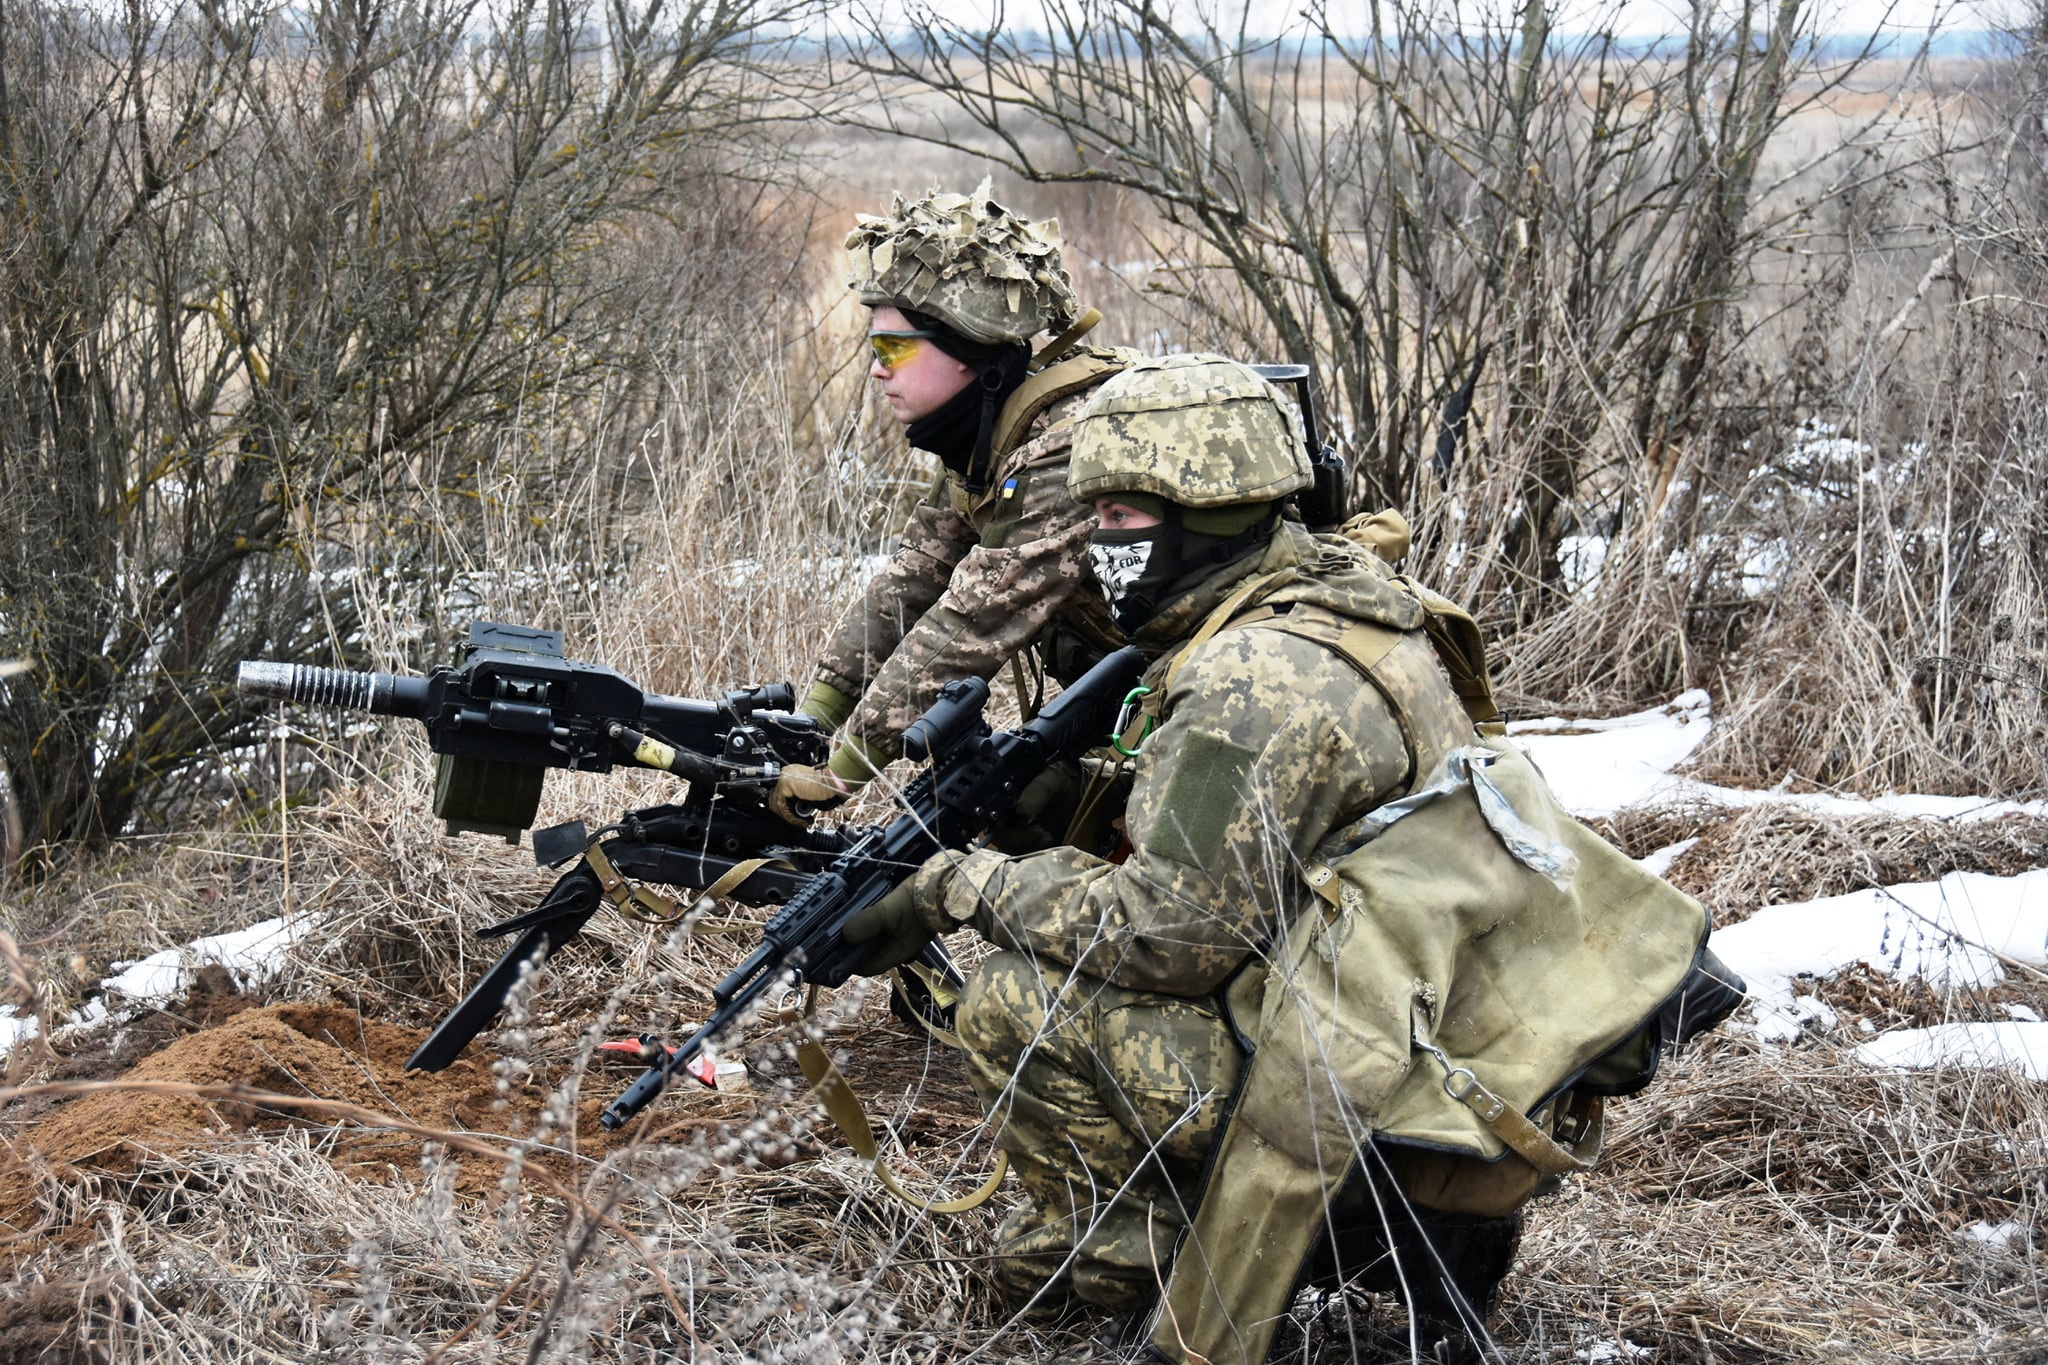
pixel 1452 1266
pixel 1107 1255
pixel 1445 1267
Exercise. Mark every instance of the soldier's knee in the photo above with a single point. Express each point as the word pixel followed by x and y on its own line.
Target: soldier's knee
pixel 1003 1011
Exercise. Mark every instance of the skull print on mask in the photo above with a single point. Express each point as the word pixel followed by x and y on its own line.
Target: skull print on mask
pixel 1133 567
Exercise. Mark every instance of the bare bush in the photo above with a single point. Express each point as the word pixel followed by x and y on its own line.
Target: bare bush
pixel 282 286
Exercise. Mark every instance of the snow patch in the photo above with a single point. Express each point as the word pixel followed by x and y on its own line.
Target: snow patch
pixel 1601 767
pixel 252 956
pixel 15 1029
pixel 1658 863
pixel 1598 767
pixel 1951 932
pixel 2020 1046
pixel 2000 1236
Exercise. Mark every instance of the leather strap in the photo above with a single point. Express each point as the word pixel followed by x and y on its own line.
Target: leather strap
pixel 1507 1123
pixel 634 902
pixel 637 903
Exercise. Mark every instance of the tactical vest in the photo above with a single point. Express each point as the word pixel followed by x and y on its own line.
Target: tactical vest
pixel 1473 961
pixel 1077 371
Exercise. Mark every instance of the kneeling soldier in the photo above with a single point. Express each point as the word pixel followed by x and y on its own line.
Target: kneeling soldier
pixel 1295 692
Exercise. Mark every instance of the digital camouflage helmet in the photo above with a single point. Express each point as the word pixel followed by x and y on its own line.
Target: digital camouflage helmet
pixel 1208 448
pixel 1197 430
pixel 967 261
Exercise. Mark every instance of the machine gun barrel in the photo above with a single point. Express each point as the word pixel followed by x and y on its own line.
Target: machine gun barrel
pixel 383 694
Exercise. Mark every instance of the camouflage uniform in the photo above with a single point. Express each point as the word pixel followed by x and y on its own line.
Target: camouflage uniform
pixel 1097 1039
pixel 983 572
pixel 977 578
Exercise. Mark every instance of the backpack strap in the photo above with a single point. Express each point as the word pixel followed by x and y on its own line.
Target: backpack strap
pixel 1462 650
pixel 1229 611
pixel 1084 323
pixel 1048 386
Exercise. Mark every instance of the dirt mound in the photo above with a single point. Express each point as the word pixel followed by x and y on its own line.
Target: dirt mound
pixel 323 1052
pixel 39 1323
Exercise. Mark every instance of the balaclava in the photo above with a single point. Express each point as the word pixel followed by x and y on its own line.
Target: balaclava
pixel 1143 570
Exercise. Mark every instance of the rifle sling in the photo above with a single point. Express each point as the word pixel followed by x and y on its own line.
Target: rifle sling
pixel 638 903
pixel 851 1117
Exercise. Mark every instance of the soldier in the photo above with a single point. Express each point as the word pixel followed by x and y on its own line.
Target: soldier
pixel 994 562
pixel 1294 692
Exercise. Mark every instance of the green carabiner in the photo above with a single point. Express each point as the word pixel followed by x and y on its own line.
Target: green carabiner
pixel 1123 723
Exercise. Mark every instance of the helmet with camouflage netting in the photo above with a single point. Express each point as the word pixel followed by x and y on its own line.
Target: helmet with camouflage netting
pixel 1198 430
pixel 967 261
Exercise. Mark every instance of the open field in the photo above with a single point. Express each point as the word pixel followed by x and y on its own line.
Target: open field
pixel 672 458
pixel 229 1179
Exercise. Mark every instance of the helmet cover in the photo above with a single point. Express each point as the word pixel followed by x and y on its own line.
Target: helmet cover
pixel 1197 429
pixel 967 261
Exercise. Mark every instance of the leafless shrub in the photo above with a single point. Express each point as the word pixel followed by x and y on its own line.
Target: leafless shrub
pixel 285 292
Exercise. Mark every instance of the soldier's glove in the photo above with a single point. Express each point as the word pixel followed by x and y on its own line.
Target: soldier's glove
pixel 894 926
pixel 802 791
pixel 1039 818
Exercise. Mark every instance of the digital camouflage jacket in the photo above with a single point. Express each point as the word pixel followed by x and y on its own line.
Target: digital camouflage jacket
pixel 977 579
pixel 1267 743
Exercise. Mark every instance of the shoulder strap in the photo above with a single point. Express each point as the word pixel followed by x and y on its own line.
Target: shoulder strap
pixel 1366 644
pixel 1224 614
pixel 1084 323
pixel 1046 387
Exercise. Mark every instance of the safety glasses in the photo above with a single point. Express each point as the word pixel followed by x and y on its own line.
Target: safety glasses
pixel 894 348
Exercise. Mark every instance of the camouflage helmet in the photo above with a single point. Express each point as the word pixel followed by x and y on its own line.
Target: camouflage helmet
pixel 1198 430
pixel 967 261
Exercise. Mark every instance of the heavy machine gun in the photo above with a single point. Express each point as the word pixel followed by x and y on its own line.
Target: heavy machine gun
pixel 516 707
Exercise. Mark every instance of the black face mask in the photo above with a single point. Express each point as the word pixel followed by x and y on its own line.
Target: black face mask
pixel 1135 568
pixel 1141 571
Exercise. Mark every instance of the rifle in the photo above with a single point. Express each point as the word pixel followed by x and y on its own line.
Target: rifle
pixel 973 780
pixel 514 708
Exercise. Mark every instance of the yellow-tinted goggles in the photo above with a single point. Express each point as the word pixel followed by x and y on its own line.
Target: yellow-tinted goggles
pixel 894 348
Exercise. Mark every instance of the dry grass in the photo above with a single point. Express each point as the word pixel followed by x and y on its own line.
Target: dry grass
pixel 1766 1204
pixel 1773 853
pixel 1758 1204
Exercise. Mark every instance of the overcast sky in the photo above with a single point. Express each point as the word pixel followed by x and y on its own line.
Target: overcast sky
pixel 1857 16
pixel 1640 17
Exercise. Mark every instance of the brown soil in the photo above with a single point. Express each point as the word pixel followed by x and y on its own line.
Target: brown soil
pixel 321 1051
pixel 39 1324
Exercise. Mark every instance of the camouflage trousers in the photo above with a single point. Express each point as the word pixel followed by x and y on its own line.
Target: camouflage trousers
pixel 1107 1101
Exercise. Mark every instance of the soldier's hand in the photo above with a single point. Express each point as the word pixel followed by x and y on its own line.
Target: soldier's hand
pixel 802 791
pixel 895 928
